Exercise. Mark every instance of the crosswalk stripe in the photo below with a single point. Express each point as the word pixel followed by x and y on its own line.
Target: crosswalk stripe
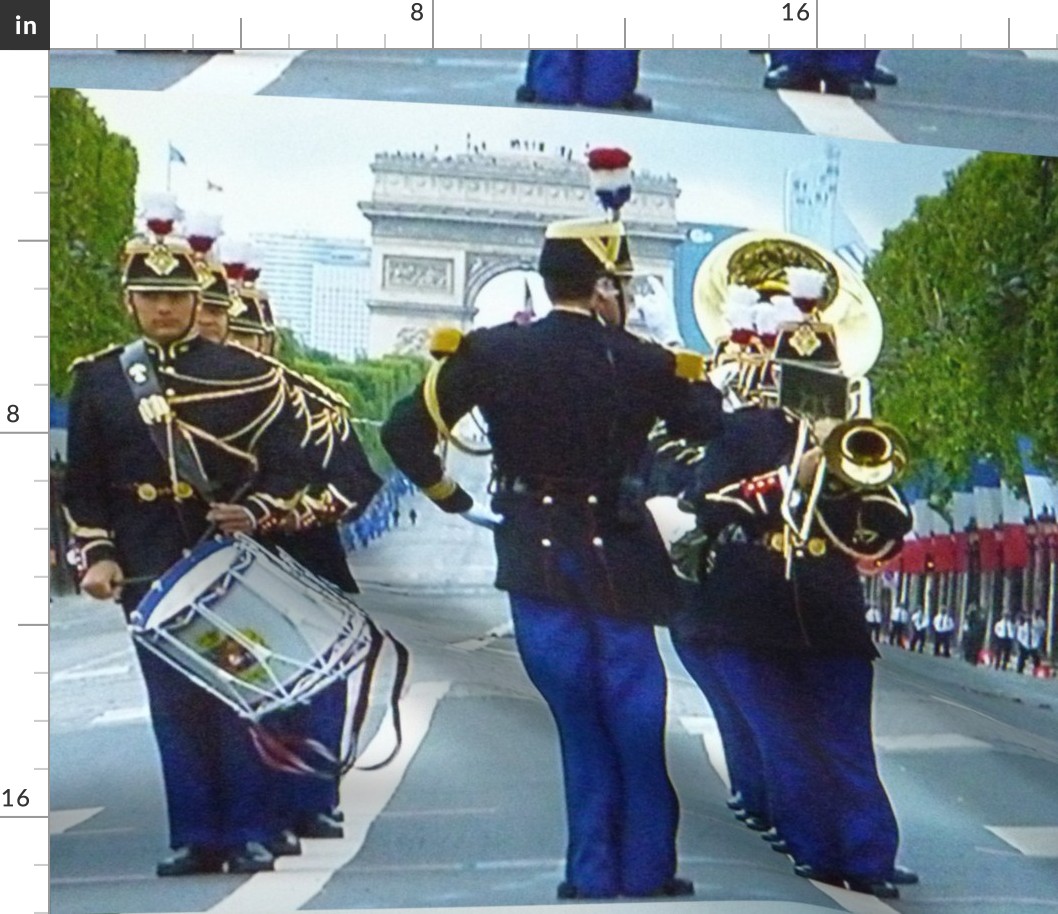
pixel 62 820
pixel 366 793
pixel 854 902
pixel 242 73
pixel 714 747
pixel 834 115
pixel 1031 840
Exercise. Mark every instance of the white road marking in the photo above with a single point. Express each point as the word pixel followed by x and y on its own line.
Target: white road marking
pixel 834 115
pixel 366 793
pixel 245 73
pixel 928 742
pixel 119 716
pixel 854 902
pixel 1039 54
pixel 1032 841
pixel 62 820
pixel 503 630
pixel 714 747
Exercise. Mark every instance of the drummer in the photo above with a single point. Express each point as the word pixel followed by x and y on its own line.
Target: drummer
pixel 169 435
pixel 342 485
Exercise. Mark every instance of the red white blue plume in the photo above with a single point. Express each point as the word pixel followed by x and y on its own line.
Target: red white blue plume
pixel 786 312
pixel 159 211
pixel 805 282
pixel 738 307
pixel 233 255
pixel 253 263
pixel 202 229
pixel 611 178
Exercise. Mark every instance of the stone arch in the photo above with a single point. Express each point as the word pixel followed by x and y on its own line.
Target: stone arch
pixel 444 226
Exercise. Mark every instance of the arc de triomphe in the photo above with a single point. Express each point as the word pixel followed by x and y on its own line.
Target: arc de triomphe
pixel 443 226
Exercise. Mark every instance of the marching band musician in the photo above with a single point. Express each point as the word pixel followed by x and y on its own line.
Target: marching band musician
pixel 169 437
pixel 569 401
pixel 340 488
pixel 789 641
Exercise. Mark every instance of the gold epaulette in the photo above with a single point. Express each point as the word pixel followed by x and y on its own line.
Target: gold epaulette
pixel 690 365
pixel 444 341
pixel 91 357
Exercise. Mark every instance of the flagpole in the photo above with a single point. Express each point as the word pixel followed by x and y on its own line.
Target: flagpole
pixel 169 169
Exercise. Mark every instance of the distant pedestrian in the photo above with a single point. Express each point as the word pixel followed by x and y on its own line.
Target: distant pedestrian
pixel 1030 634
pixel 973 635
pixel 874 623
pixel 919 629
pixel 396 517
pixel 898 620
pixel 943 628
pixel 1004 632
pixel 413 516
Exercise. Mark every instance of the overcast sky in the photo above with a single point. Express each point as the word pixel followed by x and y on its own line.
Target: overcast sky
pixel 289 164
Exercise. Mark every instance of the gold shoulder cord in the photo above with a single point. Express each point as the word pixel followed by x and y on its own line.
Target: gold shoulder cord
pixel 433 407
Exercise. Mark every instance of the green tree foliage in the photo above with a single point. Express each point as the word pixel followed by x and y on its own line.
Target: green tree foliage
pixel 372 386
pixel 93 177
pixel 968 288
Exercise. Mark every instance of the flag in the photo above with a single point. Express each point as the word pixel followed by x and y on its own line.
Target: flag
pixel 1043 491
pixel 211 186
pixel 988 505
pixel 175 155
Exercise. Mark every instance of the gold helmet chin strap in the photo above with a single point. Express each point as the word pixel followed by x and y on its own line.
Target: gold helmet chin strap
pixel 433 407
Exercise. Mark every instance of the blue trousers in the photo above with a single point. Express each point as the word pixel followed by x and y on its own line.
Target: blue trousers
pixel 835 64
pixel 297 797
pixel 604 682
pixel 596 78
pixel 741 752
pixel 216 789
pixel 811 715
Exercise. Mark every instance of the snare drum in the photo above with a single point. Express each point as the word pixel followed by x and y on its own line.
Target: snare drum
pixel 253 627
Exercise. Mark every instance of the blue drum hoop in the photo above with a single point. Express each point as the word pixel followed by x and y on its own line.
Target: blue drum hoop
pixel 346 653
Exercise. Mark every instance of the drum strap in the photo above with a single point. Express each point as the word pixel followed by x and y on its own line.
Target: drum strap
pixel 379 638
pixel 292 755
pixel 146 389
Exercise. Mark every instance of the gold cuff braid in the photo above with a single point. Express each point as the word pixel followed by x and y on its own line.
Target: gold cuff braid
pixel 441 490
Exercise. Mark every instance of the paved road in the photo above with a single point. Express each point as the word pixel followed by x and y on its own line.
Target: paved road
pixel 997 100
pixel 471 814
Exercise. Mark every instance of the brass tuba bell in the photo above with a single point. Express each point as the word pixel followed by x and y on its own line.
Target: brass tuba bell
pixel 760 260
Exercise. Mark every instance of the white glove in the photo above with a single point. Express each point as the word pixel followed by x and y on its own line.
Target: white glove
pixel 671 520
pixel 723 376
pixel 482 517
pixel 659 313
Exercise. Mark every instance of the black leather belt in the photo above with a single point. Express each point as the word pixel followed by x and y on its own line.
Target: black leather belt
pixel 151 491
pixel 546 485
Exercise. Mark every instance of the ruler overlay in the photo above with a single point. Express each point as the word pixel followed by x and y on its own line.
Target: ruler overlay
pixel 452 24
pixel 556 23
pixel 24 458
